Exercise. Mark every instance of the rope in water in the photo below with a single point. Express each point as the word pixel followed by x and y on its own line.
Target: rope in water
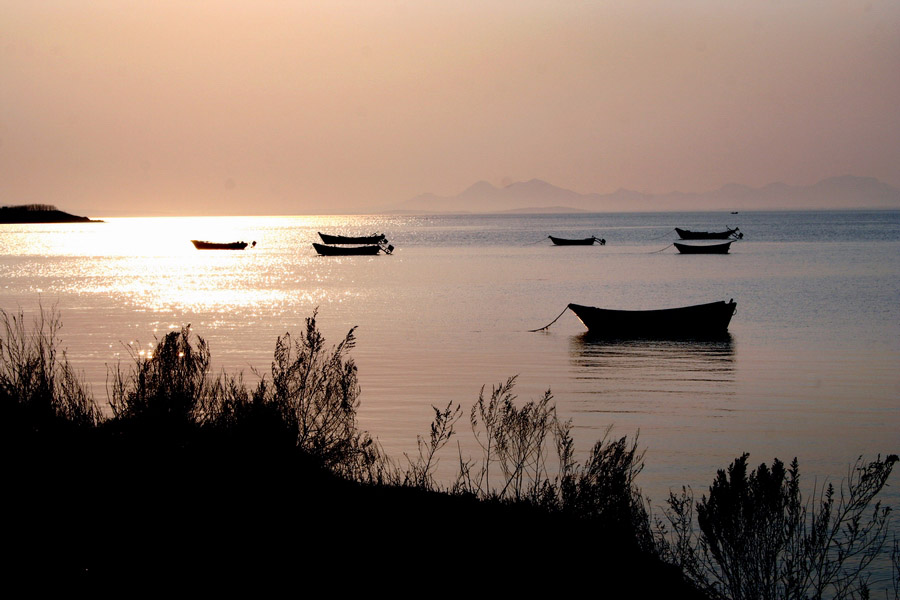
pixel 666 248
pixel 537 242
pixel 664 235
pixel 550 323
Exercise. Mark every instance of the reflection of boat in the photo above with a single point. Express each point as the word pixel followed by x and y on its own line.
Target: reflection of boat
pixel 701 320
pixel 703 248
pixel 633 374
pixel 351 251
pixel 687 234
pixel 201 245
pixel 579 242
pixel 376 238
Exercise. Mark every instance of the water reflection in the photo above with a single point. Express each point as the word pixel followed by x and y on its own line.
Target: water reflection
pixel 655 367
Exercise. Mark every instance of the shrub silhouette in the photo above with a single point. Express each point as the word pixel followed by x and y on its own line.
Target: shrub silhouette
pixel 759 539
pixel 167 387
pixel 39 391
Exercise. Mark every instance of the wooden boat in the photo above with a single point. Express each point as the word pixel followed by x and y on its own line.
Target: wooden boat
pixel 579 242
pixel 349 251
pixel 701 320
pixel 703 248
pixel 202 245
pixel 376 238
pixel 687 234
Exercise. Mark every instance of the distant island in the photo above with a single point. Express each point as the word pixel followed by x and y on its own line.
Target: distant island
pixel 537 196
pixel 39 213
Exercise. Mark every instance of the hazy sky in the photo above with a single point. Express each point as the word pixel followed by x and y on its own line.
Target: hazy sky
pixel 284 107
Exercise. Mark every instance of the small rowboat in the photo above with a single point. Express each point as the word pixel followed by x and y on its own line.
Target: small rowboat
pixel 703 248
pixel 376 238
pixel 687 234
pixel 202 245
pixel 351 251
pixel 579 242
pixel 701 320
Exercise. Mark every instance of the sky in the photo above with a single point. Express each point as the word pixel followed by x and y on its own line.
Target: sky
pixel 294 106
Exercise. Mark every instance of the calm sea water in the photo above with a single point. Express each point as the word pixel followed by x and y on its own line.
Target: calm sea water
pixel 810 370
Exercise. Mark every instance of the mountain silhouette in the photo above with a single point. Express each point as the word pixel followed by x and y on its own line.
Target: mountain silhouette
pixel 535 195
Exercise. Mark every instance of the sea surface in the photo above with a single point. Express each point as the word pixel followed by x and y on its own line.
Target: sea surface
pixel 811 368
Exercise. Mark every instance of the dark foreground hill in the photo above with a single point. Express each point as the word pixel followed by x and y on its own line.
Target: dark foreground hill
pixel 204 510
pixel 39 213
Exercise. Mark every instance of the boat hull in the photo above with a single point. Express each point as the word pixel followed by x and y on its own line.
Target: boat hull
pixel 202 245
pixel 687 234
pixel 342 251
pixel 345 239
pixel 566 242
pixel 703 249
pixel 698 321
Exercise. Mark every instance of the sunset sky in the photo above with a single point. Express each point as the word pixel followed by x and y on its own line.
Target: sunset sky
pixel 287 107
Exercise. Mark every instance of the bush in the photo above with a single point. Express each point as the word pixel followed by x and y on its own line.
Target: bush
pixel 39 390
pixel 517 465
pixel 315 390
pixel 759 539
pixel 165 388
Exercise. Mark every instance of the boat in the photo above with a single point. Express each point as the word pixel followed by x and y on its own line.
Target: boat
pixel 202 245
pixel 703 248
pixel 698 321
pixel 580 242
pixel 687 234
pixel 375 238
pixel 368 250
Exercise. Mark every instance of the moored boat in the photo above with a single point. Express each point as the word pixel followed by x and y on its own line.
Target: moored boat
pixel 577 242
pixel 701 320
pixel 376 238
pixel 703 248
pixel 687 234
pixel 350 251
pixel 203 245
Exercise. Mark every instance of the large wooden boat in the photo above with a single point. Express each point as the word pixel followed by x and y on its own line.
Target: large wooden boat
pixel 202 245
pixel 703 248
pixel 579 242
pixel 701 320
pixel 376 238
pixel 348 251
pixel 687 234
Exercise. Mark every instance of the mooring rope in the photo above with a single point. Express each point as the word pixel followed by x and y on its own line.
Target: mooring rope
pixel 666 248
pixel 664 235
pixel 537 242
pixel 551 322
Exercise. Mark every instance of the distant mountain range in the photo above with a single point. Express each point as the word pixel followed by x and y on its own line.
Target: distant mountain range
pixel 538 196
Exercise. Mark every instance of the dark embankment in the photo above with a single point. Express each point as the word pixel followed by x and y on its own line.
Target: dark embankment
pixel 39 213
pixel 123 508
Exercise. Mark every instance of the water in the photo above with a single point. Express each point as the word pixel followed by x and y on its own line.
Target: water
pixel 810 369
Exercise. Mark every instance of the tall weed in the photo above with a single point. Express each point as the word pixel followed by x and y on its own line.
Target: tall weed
pixel 39 389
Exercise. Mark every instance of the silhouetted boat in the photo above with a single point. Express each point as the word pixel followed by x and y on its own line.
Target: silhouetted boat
pixel 687 234
pixel 579 242
pixel 701 320
pixel 376 238
pixel 201 245
pixel 350 251
pixel 703 248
